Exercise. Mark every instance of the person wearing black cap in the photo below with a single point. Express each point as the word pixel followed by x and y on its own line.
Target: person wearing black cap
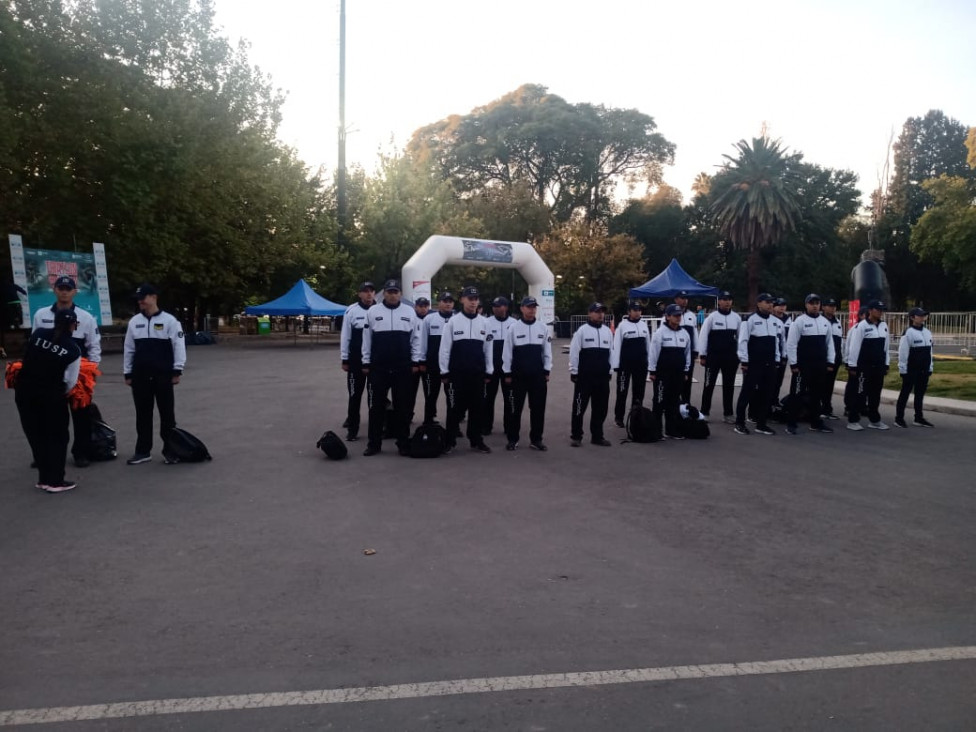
pixel 49 371
pixel 810 352
pixel 915 364
pixel 154 355
pixel 670 368
pixel 690 323
pixel 526 364
pixel 782 321
pixel 498 326
pixel 11 315
pixel 759 339
pixel 421 309
pixel 837 335
pixel 590 358
pixel 431 330
pixel 391 357
pixel 717 341
pixel 466 361
pixel 867 364
pixel 351 353
pixel 89 341
pixel 851 392
pixel 631 354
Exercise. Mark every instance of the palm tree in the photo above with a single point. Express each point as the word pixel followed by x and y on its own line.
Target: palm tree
pixel 755 200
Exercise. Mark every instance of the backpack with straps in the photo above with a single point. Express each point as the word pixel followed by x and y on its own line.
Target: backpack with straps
pixel 642 425
pixel 185 447
pixel 332 445
pixel 428 441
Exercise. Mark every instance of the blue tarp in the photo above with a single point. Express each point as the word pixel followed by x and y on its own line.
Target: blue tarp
pixel 670 282
pixel 299 300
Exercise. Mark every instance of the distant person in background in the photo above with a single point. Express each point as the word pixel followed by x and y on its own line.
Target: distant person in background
pixel 915 364
pixel 700 315
pixel 11 314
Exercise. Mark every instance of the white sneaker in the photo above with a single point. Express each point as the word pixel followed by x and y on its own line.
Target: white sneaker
pixel 878 426
pixel 855 427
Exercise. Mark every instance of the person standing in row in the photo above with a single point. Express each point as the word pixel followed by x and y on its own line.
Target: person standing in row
pixel 759 339
pixel 89 341
pixel 498 326
pixel 590 356
pixel 867 364
pixel 526 365
pixel 431 331
pixel 154 355
pixel 782 322
pixel 915 364
pixel 421 309
pixel 670 368
pixel 837 335
pixel 810 352
pixel 717 341
pixel 391 358
pixel 631 354
pixel 351 353
pixel 466 362
pixel 690 323
pixel 49 371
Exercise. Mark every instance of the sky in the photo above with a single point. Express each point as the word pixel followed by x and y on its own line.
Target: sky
pixel 830 78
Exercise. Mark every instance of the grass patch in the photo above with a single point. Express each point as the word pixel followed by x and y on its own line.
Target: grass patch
pixel 952 378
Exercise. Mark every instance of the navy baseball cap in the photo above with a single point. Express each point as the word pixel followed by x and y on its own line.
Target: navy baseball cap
pixel 674 310
pixel 877 305
pixel 830 301
pixel 470 292
pixel 779 301
pixel 500 302
pixel 634 305
pixel 598 307
pixel 422 301
pixel 367 286
pixel 144 290
pixel 65 317
pixel 917 311
pixel 683 293
pixel 529 302
pixel 812 297
pixel 391 286
pixel 64 282
pixel 725 295
pixel 765 297
pixel 445 297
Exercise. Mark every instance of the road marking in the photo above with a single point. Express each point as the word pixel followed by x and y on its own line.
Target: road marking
pixel 477 686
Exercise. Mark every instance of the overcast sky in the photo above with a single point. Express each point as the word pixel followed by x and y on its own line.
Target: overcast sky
pixel 831 78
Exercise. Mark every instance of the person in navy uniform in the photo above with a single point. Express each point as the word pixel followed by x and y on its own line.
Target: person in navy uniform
pixel 391 357
pixel 631 354
pixel 431 331
pixel 867 364
pixel 759 356
pixel 810 352
pixel 670 368
pixel 421 309
pixel 351 353
pixel 690 323
pixel 153 355
pixel 590 356
pixel 49 371
pixel 526 365
pixel 829 311
pixel 718 355
pixel 498 325
pixel 915 364
pixel 782 320
pixel 89 341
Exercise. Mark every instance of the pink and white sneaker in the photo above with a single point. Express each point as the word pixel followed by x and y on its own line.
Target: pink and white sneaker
pixel 64 485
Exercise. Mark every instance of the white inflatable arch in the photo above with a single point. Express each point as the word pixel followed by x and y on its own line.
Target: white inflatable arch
pixel 439 251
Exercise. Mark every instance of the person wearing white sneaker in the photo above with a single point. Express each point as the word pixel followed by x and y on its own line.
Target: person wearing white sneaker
pixel 867 364
pixel 915 364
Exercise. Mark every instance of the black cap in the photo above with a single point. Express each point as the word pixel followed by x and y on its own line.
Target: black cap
pixel 725 295
pixel 683 293
pixel 500 302
pixel 144 290
pixel 917 311
pixel 391 285
pixel 445 297
pixel 470 292
pixel 65 317
pixel 529 302
pixel 674 310
pixel 367 286
pixel 765 297
pixel 598 307
pixel 830 301
pixel 812 297
pixel 635 305
pixel 423 301
pixel 64 282
pixel 779 301
pixel 877 305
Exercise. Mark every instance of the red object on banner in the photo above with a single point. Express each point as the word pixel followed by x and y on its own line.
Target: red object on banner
pixel 852 308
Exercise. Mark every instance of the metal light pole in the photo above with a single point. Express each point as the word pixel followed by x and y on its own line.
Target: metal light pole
pixel 341 200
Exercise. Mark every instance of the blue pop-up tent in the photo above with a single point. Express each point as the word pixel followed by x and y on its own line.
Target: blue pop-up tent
pixel 670 282
pixel 299 300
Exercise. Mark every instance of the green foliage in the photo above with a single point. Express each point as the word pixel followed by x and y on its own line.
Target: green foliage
pixel 946 233
pixel 971 147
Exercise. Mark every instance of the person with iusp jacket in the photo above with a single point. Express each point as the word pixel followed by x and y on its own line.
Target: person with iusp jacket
pixel 590 358
pixel 631 353
pixel 526 364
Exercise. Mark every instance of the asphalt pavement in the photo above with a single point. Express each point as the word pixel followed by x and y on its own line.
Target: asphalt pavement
pixel 247 575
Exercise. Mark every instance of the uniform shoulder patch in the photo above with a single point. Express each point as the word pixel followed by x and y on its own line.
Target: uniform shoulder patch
pixel 180 334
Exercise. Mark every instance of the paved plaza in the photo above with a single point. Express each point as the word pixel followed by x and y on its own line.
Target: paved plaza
pixel 634 587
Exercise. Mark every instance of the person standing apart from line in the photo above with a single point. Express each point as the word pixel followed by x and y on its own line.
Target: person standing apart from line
pixel 810 352
pixel 837 335
pixel 590 356
pixel 466 361
pixel 690 323
pixel 351 353
pixel 867 364
pixel 526 364
pixel 431 330
pixel 391 358
pixel 759 338
pixel 154 355
pixel 89 341
pixel 631 354
pixel 670 367
pixel 49 371
pixel 717 341
pixel 915 364
pixel 498 326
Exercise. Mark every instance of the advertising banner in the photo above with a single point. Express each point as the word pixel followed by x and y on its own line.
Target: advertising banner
pixel 37 269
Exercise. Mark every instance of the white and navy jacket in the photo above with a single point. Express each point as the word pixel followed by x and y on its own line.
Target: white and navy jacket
pixel 431 329
pixel 718 335
pixel 527 349
pixel 759 339
pixel 810 342
pixel 837 332
pixel 915 351
pixel 670 350
pixel 351 338
pixel 631 346
pixel 498 329
pixel 154 346
pixel 867 345
pixel 86 336
pixel 783 329
pixel 591 351
pixel 390 337
pixel 466 345
pixel 689 321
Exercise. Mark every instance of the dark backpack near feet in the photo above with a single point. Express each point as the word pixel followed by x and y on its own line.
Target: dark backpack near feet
pixel 332 445
pixel 103 443
pixel 183 447
pixel 428 441
pixel 642 425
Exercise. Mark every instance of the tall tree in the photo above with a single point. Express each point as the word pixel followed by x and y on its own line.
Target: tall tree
pixel 946 233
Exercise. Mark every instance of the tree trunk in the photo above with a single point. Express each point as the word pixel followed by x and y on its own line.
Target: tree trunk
pixel 752 270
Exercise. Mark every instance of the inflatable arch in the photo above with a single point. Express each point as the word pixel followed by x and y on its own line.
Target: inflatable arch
pixel 439 251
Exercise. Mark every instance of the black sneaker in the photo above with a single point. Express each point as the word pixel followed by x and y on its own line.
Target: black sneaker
pixel 370 451
pixel 352 436
pixel 741 429
pixel 675 437
pixel 576 441
pixel 922 422
pixel 139 458
pixel 511 446
pixel 482 448
pixel 538 446
pixel 345 424
pixel 900 422
pixel 448 448
pixel 764 430
pixel 602 442
pixel 823 429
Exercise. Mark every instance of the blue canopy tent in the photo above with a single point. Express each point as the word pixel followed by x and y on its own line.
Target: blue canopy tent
pixel 299 300
pixel 670 282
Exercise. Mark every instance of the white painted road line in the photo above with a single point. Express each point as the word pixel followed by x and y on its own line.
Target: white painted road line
pixel 477 686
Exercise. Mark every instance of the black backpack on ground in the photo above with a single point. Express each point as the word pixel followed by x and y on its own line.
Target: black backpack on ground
pixel 184 447
pixel 428 441
pixel 332 445
pixel 103 442
pixel 642 425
